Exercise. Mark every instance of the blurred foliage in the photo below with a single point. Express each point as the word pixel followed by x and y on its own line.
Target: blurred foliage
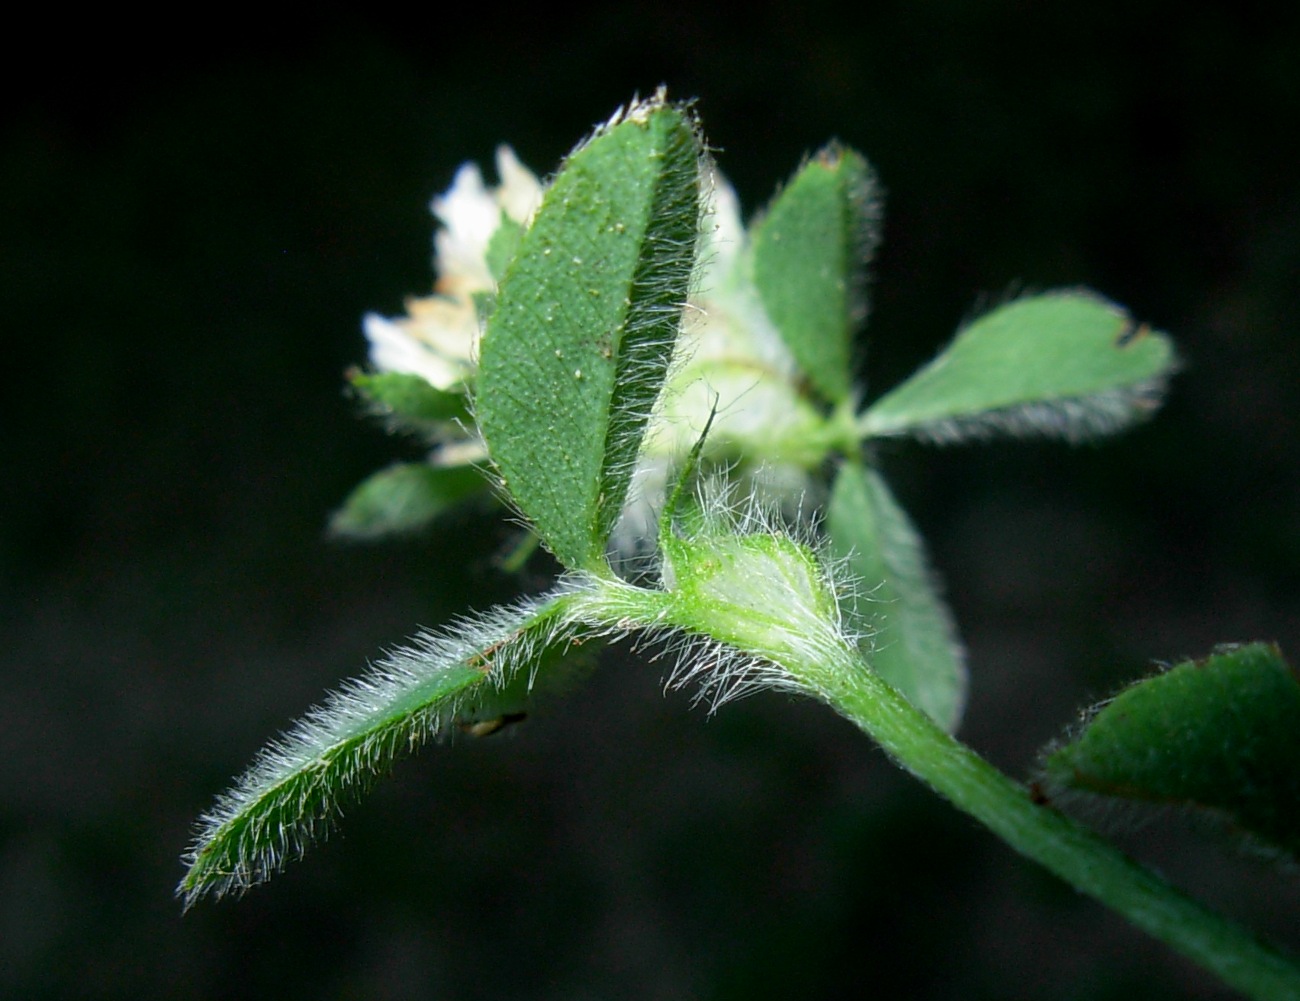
pixel 190 235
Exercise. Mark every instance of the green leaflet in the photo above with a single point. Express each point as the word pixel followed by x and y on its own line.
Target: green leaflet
pixel 503 245
pixel 810 255
pixel 586 318
pixel 1222 733
pixel 910 638
pixel 297 785
pixel 1064 364
pixel 405 497
pixel 408 402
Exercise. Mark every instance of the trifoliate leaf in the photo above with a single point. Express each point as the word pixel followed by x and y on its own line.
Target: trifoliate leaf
pixel 585 322
pixel 1060 365
pixel 1222 733
pixel 909 636
pixel 811 251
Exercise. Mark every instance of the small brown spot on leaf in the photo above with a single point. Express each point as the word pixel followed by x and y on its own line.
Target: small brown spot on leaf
pixel 1131 332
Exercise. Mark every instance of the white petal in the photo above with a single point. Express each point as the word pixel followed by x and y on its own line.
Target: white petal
pixel 470 215
pixel 460 452
pixel 520 192
pixel 724 232
pixel 394 349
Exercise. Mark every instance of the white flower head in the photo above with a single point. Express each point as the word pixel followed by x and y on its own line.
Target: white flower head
pixel 732 366
pixel 438 338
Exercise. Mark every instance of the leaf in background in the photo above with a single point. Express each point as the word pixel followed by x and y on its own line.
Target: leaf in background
pixel 578 345
pixel 1061 365
pixel 1222 733
pixel 810 258
pixel 298 785
pixel 408 402
pixel 404 498
pixel 502 246
pixel 912 640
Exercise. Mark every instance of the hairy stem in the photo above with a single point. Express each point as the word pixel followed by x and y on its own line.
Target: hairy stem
pixel 1085 861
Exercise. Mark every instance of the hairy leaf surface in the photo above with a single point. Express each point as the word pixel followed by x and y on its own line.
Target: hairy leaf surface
pixel 585 322
pixel 811 251
pixel 1222 733
pixel 909 636
pixel 297 786
pixel 1060 365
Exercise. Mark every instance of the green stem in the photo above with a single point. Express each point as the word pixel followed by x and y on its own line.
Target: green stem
pixel 762 595
pixel 1082 859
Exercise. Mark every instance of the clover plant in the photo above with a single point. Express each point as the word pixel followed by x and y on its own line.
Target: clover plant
pixel 658 391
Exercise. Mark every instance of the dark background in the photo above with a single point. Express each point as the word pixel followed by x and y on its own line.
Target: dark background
pixel 195 219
